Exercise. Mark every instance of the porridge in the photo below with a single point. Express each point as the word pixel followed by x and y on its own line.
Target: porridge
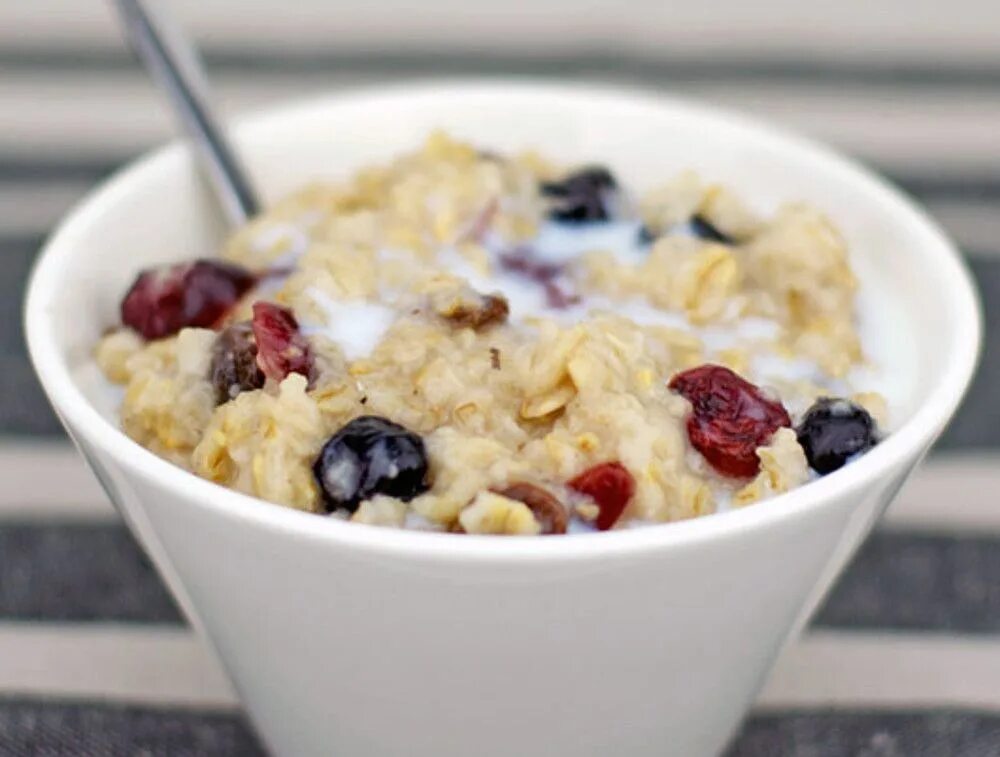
pixel 475 343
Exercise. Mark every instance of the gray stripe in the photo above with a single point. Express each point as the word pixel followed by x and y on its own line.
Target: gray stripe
pixel 977 425
pixel 79 572
pixel 916 581
pixel 15 167
pixel 898 581
pixel 583 61
pixel 869 734
pixel 70 730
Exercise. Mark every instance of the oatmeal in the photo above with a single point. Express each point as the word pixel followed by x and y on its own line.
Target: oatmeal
pixel 474 343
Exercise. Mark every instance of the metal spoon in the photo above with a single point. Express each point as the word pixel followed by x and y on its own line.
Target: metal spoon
pixel 174 65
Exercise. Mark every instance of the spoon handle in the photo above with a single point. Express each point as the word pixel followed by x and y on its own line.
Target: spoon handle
pixel 173 63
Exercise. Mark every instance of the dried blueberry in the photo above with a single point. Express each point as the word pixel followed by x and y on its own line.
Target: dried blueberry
pixel 582 196
pixel 702 228
pixel 369 456
pixel 833 431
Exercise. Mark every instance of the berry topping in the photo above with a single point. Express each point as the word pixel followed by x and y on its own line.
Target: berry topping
pixel 833 431
pixel 582 196
pixel 234 366
pixel 281 347
pixel 558 290
pixel 645 235
pixel 369 456
pixel 548 511
pixel 611 486
pixel 164 300
pixel 704 229
pixel 730 418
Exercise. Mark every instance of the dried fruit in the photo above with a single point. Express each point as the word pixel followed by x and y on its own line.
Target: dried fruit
pixel 164 300
pixel 611 487
pixel 583 196
pixel 833 431
pixel 234 366
pixel 558 290
pixel 485 310
pixel 281 347
pixel 368 456
pixel 548 511
pixel 702 228
pixel 730 418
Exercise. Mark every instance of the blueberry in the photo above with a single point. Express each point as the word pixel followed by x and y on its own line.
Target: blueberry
pixel 234 366
pixel 833 431
pixel 583 196
pixel 702 228
pixel 369 456
pixel 645 235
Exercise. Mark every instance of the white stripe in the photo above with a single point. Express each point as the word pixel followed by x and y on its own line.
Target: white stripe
pixel 48 481
pixel 135 664
pixel 936 129
pixel 950 493
pixel 961 30
pixel 886 670
pixel 171 667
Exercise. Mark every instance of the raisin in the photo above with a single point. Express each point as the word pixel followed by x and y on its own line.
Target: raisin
pixel 583 196
pixel 234 366
pixel 164 300
pixel 548 511
pixel 833 431
pixel 611 487
pixel 488 310
pixel 368 456
pixel 730 418
pixel 281 346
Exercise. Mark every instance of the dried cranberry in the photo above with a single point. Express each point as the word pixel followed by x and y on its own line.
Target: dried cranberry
pixel 730 418
pixel 548 511
pixel 234 366
pixel 281 347
pixel 164 300
pixel 611 486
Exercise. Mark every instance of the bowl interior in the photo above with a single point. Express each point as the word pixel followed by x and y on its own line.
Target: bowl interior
pixel 918 308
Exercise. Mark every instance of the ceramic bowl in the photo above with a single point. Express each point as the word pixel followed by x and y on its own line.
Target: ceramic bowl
pixel 355 640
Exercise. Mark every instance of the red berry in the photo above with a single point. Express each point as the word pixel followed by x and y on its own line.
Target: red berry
pixel 164 300
pixel 730 418
pixel 281 347
pixel 611 486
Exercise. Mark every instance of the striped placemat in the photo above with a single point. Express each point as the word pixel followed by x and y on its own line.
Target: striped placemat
pixel 902 659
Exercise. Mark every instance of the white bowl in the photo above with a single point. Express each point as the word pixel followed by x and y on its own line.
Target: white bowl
pixel 355 640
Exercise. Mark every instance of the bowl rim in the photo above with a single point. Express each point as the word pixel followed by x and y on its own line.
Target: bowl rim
pixel 901 448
